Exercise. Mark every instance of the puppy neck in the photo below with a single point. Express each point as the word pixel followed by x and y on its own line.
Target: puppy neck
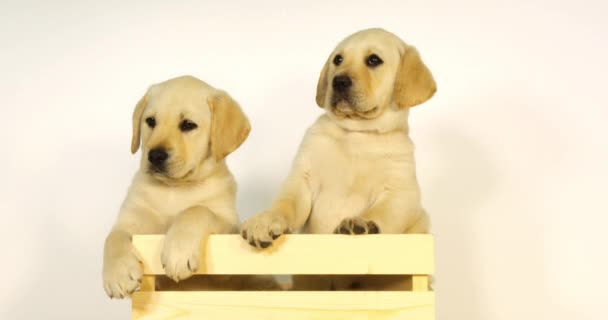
pixel 206 168
pixel 392 119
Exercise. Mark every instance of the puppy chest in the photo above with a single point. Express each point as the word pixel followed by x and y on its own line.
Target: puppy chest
pixel 170 202
pixel 341 190
pixel 355 167
pixel 346 178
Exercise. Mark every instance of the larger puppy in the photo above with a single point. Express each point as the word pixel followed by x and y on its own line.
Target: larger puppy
pixel 183 187
pixel 354 172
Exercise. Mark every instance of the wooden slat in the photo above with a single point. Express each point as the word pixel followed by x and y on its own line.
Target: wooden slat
pixel 420 283
pixel 336 305
pixel 148 283
pixel 305 254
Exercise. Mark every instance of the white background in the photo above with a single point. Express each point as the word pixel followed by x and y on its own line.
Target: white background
pixel 512 151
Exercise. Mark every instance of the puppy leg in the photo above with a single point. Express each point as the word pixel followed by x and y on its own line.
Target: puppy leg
pixel 390 214
pixel 357 225
pixel 181 252
pixel 289 212
pixel 422 225
pixel 122 270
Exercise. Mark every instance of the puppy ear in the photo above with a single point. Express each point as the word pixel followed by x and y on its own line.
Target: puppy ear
pixel 137 114
pixel 322 85
pixel 229 125
pixel 414 83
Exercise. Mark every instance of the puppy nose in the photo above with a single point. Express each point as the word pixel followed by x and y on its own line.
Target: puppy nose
pixel 157 156
pixel 341 83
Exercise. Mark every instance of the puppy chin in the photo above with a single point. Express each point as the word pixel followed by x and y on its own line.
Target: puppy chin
pixel 158 173
pixel 346 109
pixel 343 108
pixel 162 173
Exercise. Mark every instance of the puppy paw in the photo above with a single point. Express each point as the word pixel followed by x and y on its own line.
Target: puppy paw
pixel 262 229
pixel 180 255
pixel 357 225
pixel 122 274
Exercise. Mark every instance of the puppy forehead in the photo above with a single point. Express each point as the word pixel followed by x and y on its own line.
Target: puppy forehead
pixel 180 96
pixel 193 106
pixel 371 41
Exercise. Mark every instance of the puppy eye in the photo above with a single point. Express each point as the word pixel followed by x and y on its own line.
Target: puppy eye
pixel 373 61
pixel 151 122
pixel 187 125
pixel 338 59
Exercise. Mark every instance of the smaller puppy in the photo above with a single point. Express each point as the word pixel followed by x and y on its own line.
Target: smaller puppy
pixel 183 188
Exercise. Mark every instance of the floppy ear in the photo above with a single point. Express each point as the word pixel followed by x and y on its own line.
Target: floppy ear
pixel 137 114
pixel 322 85
pixel 414 83
pixel 229 125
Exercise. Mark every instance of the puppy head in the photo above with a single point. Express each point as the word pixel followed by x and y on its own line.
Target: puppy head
pixel 181 123
pixel 370 71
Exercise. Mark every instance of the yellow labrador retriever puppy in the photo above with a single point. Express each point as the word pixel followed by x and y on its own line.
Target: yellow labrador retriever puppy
pixel 183 188
pixel 354 172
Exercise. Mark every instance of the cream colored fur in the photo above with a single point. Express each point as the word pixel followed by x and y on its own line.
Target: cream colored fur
pixel 195 197
pixel 355 170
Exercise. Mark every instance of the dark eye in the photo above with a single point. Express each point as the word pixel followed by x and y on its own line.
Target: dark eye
pixel 151 122
pixel 187 125
pixel 373 61
pixel 338 59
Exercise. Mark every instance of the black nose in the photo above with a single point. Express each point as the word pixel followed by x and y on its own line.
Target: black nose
pixel 341 83
pixel 157 156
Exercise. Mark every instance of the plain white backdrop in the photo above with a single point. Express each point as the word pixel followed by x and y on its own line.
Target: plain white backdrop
pixel 512 151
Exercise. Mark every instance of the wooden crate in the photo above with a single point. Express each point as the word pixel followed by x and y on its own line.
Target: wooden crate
pixel 300 255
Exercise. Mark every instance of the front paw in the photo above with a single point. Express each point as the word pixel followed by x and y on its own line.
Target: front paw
pixel 180 255
pixel 262 229
pixel 122 274
pixel 357 225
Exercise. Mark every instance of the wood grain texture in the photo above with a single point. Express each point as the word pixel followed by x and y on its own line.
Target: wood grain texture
pixel 334 305
pixel 305 254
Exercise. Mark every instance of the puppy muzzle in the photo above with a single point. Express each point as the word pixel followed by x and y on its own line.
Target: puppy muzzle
pixel 157 159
